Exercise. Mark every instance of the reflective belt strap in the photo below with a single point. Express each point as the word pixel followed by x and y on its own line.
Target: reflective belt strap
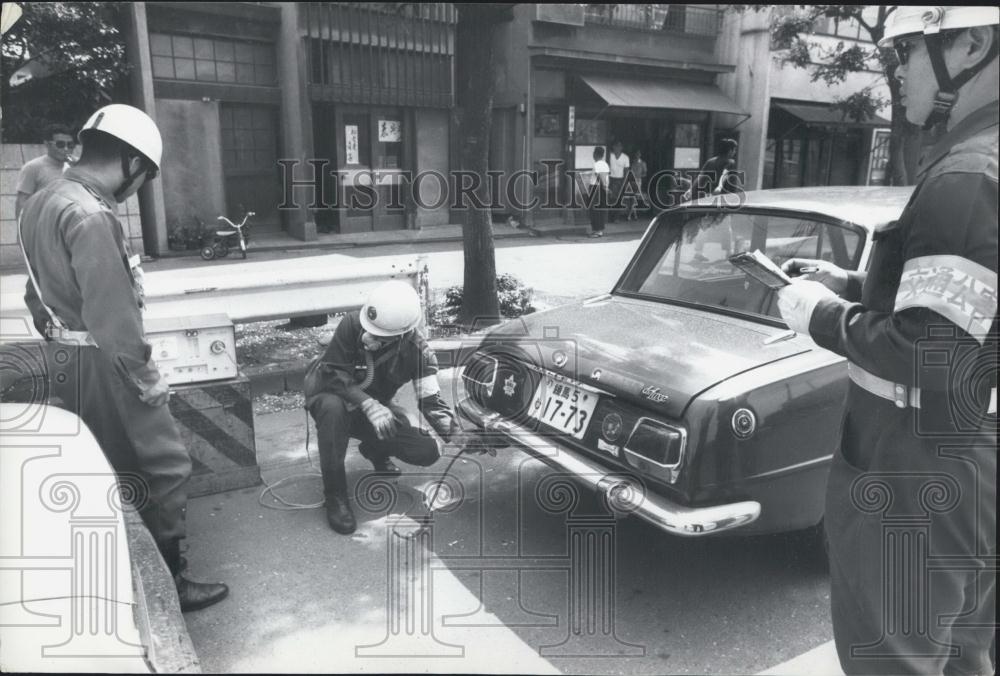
pixel 53 319
pixel 901 395
pixel 67 337
pixel 56 330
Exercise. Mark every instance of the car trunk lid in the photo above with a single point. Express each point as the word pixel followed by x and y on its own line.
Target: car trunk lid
pixel 655 354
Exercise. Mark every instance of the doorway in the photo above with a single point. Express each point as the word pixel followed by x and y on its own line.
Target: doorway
pixel 370 146
pixel 250 163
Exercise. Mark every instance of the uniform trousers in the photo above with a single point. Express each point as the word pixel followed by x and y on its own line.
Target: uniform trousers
pixel 912 535
pixel 336 425
pixel 138 440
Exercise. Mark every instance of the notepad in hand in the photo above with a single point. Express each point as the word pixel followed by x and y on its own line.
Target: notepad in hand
pixel 761 268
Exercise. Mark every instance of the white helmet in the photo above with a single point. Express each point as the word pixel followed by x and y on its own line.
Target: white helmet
pixel 130 125
pixel 910 20
pixel 929 22
pixel 391 310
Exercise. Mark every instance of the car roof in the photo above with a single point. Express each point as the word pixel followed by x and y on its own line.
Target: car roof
pixel 867 206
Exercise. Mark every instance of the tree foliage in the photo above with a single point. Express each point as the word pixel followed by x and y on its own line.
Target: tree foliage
pixel 76 53
pixel 793 32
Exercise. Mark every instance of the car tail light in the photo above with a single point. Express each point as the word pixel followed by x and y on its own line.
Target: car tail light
pixel 657 442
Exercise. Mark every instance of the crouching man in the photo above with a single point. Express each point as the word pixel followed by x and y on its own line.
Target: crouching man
pixel 349 392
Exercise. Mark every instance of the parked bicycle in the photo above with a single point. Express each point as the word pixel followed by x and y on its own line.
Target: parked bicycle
pixel 224 239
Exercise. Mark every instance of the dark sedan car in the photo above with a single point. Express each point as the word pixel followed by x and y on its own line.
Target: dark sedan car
pixel 681 396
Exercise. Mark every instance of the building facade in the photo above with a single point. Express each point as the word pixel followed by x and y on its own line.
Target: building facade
pixel 573 77
pixel 795 136
pixel 254 98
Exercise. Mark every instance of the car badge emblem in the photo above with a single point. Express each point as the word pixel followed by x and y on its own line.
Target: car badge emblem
pixel 596 375
pixel 509 386
pixel 372 313
pixel 559 359
pixel 654 394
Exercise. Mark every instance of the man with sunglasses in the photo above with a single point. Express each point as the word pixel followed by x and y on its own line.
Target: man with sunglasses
pixel 39 172
pixel 85 295
pixel 350 388
pixel 911 499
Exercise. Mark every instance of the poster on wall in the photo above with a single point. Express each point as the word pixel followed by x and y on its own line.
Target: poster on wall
pixel 351 144
pixel 687 158
pixel 390 131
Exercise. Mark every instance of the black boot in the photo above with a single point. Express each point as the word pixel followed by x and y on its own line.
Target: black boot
pixel 386 466
pixel 383 464
pixel 191 595
pixel 338 508
pixel 197 595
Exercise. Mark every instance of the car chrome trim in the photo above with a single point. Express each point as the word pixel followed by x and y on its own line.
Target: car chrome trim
pixel 672 468
pixel 779 337
pixel 496 370
pixel 565 378
pixel 623 493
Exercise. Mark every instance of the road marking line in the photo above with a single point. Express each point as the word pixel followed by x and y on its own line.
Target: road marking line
pixel 820 661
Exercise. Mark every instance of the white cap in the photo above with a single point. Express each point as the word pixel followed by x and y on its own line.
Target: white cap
pixel 914 20
pixel 130 125
pixel 392 309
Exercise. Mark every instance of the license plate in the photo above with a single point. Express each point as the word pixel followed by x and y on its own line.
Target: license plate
pixel 563 406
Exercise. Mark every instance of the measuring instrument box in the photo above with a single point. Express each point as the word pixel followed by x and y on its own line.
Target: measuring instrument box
pixel 194 349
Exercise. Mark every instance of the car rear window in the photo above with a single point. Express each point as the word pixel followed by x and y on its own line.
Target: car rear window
pixel 687 256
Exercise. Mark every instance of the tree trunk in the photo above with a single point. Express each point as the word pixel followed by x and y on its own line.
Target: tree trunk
pixel 477 25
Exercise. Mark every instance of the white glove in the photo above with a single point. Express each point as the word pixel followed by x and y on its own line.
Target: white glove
pixel 156 395
pixel 380 417
pixel 798 300
pixel 825 272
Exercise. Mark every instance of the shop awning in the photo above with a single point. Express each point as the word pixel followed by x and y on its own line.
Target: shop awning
pixel 827 115
pixel 662 94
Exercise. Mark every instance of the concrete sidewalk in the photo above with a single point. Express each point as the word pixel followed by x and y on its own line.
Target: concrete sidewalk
pixel 433 234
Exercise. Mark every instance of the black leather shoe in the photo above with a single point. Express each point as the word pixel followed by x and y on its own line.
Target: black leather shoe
pixel 386 466
pixel 339 516
pixel 198 595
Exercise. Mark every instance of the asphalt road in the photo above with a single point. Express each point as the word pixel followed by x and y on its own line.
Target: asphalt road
pixel 497 584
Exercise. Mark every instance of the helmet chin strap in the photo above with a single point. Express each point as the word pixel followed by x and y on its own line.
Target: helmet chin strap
pixel 129 176
pixel 948 86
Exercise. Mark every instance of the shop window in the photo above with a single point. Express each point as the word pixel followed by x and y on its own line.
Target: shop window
pixel 549 122
pixel 181 57
pixel 248 137
pixel 791 163
pixel 879 164
pixel 591 132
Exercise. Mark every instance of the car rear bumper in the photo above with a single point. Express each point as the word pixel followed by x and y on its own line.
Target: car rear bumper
pixel 623 494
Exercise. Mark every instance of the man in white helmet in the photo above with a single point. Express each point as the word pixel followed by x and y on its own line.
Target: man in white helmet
pixel 85 296
pixel 911 499
pixel 349 392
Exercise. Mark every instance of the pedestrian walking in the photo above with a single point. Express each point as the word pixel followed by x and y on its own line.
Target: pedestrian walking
pixel 349 392
pixel 915 479
pixel 85 297
pixel 618 163
pixel 636 180
pixel 39 172
pixel 598 202
pixel 717 174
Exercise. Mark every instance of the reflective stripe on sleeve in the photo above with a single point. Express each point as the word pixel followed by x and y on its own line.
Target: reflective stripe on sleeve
pixel 956 288
pixel 427 386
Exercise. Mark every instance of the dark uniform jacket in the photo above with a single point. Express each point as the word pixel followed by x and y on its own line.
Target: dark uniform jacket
pixel 351 372
pixel 925 314
pixel 81 259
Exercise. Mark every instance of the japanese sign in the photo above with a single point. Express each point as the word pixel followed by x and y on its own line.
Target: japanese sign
pixel 351 143
pixel 956 288
pixel 390 131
